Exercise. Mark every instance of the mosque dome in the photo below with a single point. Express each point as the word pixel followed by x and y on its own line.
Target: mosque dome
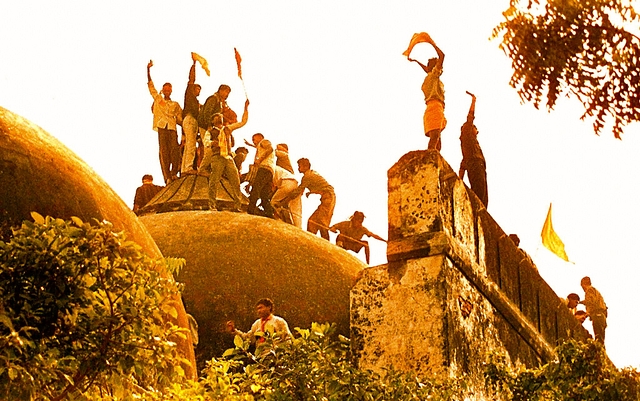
pixel 234 259
pixel 38 173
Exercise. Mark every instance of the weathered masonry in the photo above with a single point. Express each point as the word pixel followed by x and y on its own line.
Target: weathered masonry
pixel 455 286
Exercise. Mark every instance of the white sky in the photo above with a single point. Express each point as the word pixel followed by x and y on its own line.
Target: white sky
pixel 329 79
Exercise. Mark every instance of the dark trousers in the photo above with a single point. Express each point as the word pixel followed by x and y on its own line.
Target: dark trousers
pixel 478 180
pixel 169 153
pixel 261 189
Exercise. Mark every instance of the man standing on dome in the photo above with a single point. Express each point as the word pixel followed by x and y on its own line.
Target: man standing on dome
pixel 265 159
pixel 219 157
pixel 320 220
pixel 167 114
pixel 190 120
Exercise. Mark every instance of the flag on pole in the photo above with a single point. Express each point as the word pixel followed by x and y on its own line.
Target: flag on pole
pixel 238 61
pixel 421 37
pixel 203 63
pixel 551 240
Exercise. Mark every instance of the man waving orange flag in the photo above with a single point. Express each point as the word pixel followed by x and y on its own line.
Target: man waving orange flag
pixel 551 240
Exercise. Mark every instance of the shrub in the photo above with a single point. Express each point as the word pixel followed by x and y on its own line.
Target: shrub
pixel 83 311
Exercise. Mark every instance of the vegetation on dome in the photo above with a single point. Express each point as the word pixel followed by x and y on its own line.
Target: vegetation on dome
pixel 83 316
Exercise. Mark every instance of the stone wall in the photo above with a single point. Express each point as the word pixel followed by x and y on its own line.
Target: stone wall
pixel 456 287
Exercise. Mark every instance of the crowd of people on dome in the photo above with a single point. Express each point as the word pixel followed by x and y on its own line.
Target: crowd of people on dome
pixel 206 148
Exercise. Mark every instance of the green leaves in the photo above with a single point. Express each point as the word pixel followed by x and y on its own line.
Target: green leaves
pixel 574 48
pixel 82 311
pixel 581 372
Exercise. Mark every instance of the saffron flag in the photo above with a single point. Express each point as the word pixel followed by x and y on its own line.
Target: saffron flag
pixel 421 37
pixel 551 240
pixel 238 61
pixel 203 63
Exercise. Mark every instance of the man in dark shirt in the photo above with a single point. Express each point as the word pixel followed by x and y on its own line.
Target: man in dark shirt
pixel 190 121
pixel 472 158
pixel 216 103
pixel 145 192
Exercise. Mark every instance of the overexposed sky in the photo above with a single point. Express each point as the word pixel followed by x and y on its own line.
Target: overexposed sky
pixel 329 79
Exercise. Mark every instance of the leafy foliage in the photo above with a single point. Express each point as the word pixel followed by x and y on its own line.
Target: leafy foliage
pixel 581 372
pixel 82 311
pixel 313 366
pixel 577 47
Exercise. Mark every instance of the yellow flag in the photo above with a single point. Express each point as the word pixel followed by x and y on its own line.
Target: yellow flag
pixel 551 240
pixel 203 62
pixel 421 37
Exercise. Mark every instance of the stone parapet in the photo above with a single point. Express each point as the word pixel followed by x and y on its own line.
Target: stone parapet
pixel 456 287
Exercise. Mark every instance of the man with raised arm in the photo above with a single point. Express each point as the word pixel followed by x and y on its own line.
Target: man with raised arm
pixel 219 157
pixel 433 89
pixel 167 114
pixel 190 120
pixel 472 158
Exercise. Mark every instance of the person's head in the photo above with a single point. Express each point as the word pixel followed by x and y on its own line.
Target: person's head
pixel 585 282
pixel 217 120
pixel 196 89
pixel 230 116
pixel 241 154
pixel 515 239
pixel 431 64
pixel 282 147
pixel 581 316
pixel 572 300
pixel 166 90
pixel 264 308
pixel 223 91
pixel 358 217
pixel 257 138
pixel 304 165
pixel 147 179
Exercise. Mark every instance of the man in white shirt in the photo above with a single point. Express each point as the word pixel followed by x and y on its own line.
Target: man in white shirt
pixel 267 322
pixel 167 114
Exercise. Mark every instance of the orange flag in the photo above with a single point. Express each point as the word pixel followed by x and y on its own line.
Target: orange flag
pixel 421 37
pixel 551 240
pixel 238 61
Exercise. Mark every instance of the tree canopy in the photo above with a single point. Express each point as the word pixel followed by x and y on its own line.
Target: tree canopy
pixel 582 48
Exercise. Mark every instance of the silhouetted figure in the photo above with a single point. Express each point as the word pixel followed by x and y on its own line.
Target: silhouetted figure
pixel 261 187
pixel 267 322
pixel 145 192
pixel 351 233
pixel 472 158
pixel 190 120
pixel 167 114
pixel 596 308
pixel 433 89
pixel 320 220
